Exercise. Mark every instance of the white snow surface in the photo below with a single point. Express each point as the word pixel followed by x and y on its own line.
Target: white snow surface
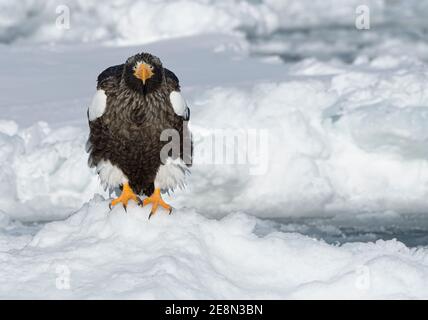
pixel 188 256
pixel 343 140
pixel 135 22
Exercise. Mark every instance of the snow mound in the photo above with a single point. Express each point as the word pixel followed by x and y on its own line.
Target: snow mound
pixel 136 22
pixel 97 254
pixel 44 172
pixel 341 140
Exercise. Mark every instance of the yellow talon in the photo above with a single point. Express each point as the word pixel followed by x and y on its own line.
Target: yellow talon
pixel 127 194
pixel 156 200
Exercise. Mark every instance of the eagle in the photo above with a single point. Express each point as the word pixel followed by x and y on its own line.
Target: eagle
pixel 139 139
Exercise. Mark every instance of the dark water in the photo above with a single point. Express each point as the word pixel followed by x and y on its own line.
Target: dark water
pixel 412 230
pixel 343 43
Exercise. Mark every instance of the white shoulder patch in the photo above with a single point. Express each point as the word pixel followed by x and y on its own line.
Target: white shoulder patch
pixel 98 105
pixel 178 103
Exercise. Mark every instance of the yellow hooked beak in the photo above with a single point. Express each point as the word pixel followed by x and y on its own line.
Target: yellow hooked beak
pixel 143 71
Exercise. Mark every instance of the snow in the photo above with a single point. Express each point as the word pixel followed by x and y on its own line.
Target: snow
pixel 134 22
pixel 339 141
pixel 128 22
pixel 188 256
pixel 43 173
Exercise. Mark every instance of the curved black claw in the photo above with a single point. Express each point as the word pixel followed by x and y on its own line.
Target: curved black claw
pixel 152 213
pixel 124 207
pixel 109 206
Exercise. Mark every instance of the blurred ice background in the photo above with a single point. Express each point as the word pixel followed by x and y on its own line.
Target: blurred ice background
pixel 346 111
pixel 293 30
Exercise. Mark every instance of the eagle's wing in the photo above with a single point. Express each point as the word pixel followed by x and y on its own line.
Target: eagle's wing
pixel 170 76
pixel 110 77
pixel 107 82
pixel 177 101
pixel 183 112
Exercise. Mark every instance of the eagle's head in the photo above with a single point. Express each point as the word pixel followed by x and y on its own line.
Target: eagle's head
pixel 143 73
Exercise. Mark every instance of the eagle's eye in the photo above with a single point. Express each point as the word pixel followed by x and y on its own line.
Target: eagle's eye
pixel 143 71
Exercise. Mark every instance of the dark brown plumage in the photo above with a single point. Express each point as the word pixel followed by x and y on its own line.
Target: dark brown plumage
pixel 128 132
